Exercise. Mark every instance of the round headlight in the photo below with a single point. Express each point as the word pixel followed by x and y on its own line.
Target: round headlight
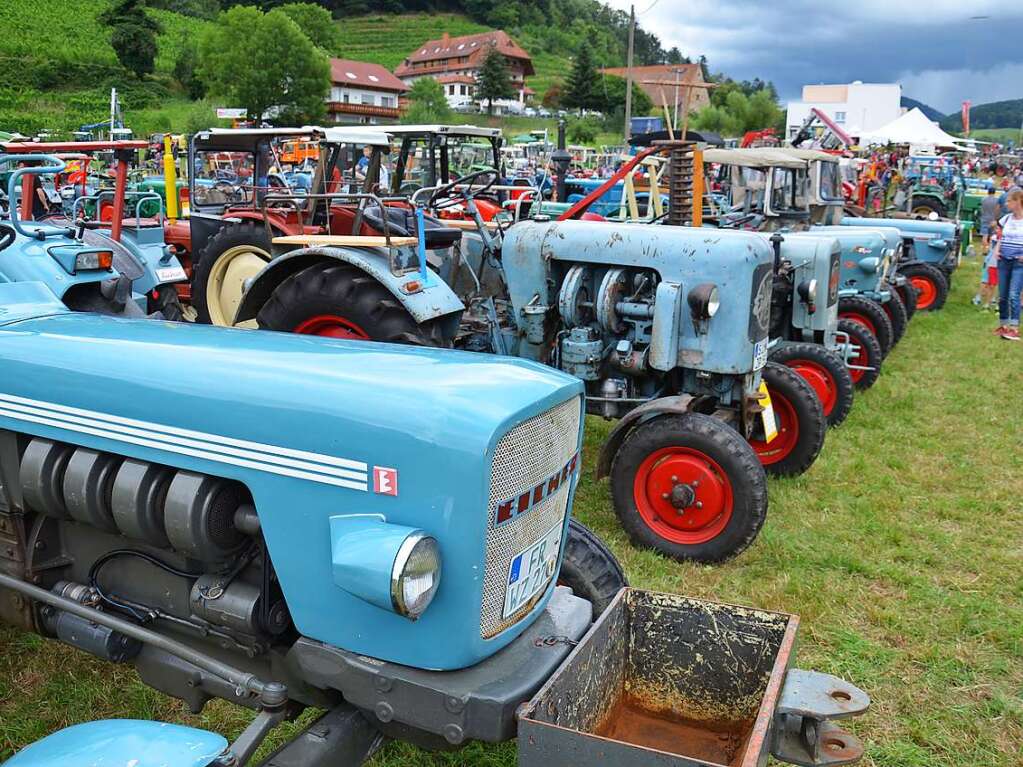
pixel 415 575
pixel 704 301
pixel 808 291
pixel 713 302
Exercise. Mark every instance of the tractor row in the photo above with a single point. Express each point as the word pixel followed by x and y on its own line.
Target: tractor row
pixel 408 565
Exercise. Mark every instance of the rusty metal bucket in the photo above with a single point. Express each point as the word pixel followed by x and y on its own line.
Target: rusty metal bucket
pixel 665 680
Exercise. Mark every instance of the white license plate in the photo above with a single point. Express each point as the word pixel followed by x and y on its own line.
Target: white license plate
pixel 171 274
pixel 531 570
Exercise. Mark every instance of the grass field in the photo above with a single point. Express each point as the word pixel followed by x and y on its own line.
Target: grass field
pixel 999 135
pixel 901 550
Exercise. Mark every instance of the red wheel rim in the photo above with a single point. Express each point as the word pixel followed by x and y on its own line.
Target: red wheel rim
pixel 863 319
pixel 820 380
pixel 926 291
pixel 331 326
pixel 670 467
pixel 779 448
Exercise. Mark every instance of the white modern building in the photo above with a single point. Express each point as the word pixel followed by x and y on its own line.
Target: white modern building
pixel 856 108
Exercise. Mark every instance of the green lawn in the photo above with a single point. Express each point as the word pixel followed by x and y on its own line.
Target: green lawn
pixel 901 550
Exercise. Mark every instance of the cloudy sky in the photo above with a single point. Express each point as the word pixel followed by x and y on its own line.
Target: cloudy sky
pixel 934 48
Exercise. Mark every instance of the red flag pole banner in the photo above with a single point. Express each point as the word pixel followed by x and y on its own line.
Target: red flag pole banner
pixel 966 117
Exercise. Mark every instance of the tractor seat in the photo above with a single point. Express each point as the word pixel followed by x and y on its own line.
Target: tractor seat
pixel 401 222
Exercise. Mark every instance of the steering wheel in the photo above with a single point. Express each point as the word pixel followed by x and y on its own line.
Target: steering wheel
pixel 449 195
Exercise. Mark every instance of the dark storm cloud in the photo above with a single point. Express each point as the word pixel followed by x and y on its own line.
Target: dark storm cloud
pixel 939 54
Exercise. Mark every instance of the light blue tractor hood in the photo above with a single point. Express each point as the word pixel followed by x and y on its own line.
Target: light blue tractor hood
pixel 123 743
pixel 307 424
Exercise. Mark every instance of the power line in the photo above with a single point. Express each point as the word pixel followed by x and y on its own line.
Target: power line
pixel 655 2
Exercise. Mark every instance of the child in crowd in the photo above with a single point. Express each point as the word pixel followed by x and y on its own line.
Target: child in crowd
pixel 986 297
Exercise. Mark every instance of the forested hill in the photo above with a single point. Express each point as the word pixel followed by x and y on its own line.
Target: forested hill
pixel 997 114
pixel 548 26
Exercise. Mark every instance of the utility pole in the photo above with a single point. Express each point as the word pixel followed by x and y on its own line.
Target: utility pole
pixel 628 75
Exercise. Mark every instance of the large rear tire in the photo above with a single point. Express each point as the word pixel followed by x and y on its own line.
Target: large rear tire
pixel 589 568
pixel 924 206
pixel 869 314
pixel 930 283
pixel 338 300
pixel 221 269
pixel 897 314
pixel 690 458
pixel 867 356
pixel 826 373
pixel 800 422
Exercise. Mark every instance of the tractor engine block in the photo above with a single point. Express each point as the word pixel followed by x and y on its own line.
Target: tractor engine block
pixel 149 542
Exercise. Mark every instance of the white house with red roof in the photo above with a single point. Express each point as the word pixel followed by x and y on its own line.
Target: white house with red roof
pixel 455 61
pixel 363 94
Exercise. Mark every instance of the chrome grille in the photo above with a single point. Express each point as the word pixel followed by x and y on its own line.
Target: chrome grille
pixel 525 456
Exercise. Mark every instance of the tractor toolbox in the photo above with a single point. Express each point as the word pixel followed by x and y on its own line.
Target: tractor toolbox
pixel 667 680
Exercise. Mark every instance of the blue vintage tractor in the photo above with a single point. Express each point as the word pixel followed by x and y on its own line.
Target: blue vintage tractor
pixel 399 565
pixel 930 248
pixel 659 342
pixel 100 266
pixel 930 255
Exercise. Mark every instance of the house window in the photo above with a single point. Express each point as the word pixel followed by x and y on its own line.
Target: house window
pixel 464 90
pixel 344 98
pixel 839 117
pixel 367 100
pixel 387 101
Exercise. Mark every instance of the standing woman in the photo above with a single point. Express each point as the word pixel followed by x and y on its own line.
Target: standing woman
pixel 1009 252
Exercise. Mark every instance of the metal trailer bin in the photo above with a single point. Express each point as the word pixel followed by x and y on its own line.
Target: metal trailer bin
pixel 666 680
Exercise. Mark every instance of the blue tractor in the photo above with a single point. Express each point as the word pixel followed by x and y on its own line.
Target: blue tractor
pixel 674 348
pixel 930 249
pixel 109 266
pixel 401 565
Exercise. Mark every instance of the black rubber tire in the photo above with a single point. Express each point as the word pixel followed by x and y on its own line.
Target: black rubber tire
pixel 880 325
pixel 863 338
pixel 231 236
pixel 332 287
pixel 589 568
pixel 791 353
pixel 908 295
pixel 167 303
pixel 897 315
pixel 931 205
pixel 931 273
pixel 719 442
pixel 783 383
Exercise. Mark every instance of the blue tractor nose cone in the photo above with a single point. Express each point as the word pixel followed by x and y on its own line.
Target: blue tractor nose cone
pixel 121 742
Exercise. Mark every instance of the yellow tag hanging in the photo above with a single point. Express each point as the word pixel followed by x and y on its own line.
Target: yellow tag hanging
pixel 767 415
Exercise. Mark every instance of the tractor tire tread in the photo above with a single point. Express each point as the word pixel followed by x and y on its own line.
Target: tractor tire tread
pixel 786 352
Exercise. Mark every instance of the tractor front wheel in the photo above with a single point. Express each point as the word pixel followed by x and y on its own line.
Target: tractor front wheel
pixel 826 373
pixel 897 315
pixel 222 268
pixel 930 283
pixel 589 568
pixel 799 420
pixel 869 314
pixel 923 207
pixel 337 300
pixel 909 296
pixel 689 487
pixel 866 358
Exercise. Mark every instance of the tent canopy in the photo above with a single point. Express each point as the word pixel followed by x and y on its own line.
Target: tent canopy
pixel 911 128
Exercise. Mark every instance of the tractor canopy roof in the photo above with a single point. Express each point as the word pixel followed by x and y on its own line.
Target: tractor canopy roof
pixel 52 147
pixel 807 154
pixel 449 130
pixel 249 139
pixel 760 157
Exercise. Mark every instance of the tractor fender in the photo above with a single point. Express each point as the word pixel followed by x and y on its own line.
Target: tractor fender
pixel 436 299
pixel 674 405
pixel 279 224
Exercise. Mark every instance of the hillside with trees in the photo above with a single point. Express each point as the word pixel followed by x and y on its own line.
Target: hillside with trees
pixel 997 114
pixel 168 58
